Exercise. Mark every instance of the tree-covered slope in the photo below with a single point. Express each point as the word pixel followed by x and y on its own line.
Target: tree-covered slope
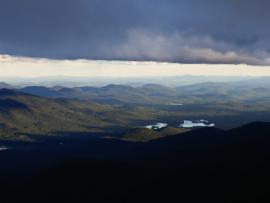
pixel 23 116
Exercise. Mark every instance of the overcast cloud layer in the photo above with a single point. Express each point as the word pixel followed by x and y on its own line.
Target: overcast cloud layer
pixel 184 31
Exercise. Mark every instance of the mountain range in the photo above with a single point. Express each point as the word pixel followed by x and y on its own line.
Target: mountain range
pixel 37 111
pixel 158 94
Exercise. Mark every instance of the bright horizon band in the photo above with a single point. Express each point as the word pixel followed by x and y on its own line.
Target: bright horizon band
pixel 12 66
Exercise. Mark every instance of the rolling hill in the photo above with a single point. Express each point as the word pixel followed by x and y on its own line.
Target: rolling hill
pixel 26 116
pixel 37 110
pixel 159 94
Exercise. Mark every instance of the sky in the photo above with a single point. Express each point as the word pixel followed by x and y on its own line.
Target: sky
pixel 185 32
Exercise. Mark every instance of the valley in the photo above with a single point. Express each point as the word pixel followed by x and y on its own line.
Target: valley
pixel 31 113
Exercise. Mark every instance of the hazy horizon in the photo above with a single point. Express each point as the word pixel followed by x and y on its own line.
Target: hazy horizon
pixel 26 67
pixel 170 81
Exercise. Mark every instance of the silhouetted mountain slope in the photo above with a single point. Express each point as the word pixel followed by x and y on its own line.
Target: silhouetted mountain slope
pixel 211 143
pixel 201 136
pixel 205 165
pixel 252 129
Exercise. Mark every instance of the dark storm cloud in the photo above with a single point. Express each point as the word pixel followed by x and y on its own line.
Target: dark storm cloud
pixel 187 31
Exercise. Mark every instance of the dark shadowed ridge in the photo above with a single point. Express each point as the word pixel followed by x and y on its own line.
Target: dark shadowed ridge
pixel 204 165
pixel 8 92
pixel 200 136
pixel 258 130
pixel 260 127
pixel 11 104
